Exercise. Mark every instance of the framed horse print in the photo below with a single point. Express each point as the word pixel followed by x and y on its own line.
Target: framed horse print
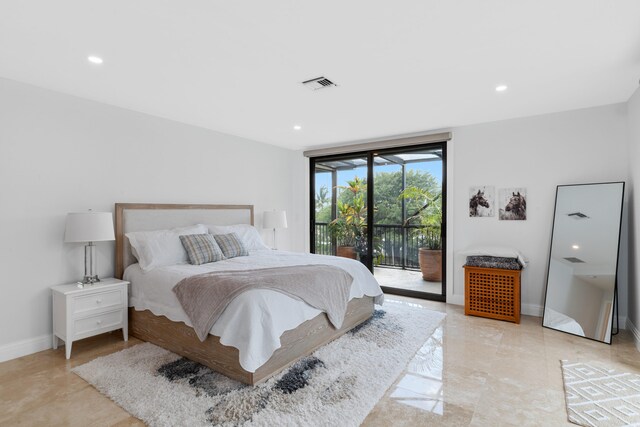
pixel 482 201
pixel 513 204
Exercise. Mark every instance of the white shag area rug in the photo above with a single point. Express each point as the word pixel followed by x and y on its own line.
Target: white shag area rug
pixel 338 384
pixel 601 397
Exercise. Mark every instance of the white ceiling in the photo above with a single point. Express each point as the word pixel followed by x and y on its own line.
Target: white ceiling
pixel 402 66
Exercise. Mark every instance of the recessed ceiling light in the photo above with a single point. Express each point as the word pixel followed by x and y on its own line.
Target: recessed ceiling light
pixel 575 247
pixel 501 88
pixel 297 127
pixel 94 59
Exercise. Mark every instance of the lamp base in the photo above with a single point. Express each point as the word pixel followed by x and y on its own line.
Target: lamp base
pixel 90 265
pixel 90 280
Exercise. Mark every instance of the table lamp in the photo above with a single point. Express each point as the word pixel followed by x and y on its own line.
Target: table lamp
pixel 89 227
pixel 274 219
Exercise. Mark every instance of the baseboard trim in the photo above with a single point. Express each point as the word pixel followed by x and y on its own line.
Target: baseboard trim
pixel 531 310
pixel 526 309
pixel 25 347
pixel 635 332
pixel 623 322
pixel 455 299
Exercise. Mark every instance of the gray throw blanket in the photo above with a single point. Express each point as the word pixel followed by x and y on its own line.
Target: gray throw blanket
pixel 205 296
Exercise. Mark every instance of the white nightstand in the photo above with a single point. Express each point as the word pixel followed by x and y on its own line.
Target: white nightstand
pixel 84 312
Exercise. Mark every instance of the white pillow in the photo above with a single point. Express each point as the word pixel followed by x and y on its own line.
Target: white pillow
pixel 497 251
pixel 160 248
pixel 249 235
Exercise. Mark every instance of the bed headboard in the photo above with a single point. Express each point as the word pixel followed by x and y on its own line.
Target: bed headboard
pixel 152 216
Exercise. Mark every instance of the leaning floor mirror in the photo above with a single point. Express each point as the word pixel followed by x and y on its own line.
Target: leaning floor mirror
pixel 583 260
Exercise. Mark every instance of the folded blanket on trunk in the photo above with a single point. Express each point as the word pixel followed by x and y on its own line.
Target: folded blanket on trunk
pixel 493 262
pixel 205 296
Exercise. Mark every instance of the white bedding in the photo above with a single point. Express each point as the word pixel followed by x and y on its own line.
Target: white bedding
pixel 254 321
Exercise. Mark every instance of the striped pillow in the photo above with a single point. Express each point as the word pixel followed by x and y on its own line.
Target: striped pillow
pixel 201 248
pixel 231 245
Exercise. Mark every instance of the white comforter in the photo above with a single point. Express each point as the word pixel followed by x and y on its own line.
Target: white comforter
pixel 254 321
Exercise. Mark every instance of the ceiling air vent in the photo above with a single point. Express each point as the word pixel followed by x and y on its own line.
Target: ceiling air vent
pixel 318 83
pixel 574 260
pixel 577 215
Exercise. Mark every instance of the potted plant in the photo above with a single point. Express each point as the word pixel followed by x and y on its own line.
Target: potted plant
pixel 429 219
pixel 345 234
pixel 349 227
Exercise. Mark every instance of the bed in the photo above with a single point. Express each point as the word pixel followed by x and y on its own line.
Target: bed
pixel 238 345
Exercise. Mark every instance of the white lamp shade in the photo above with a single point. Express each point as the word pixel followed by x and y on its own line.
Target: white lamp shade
pixel 274 219
pixel 89 227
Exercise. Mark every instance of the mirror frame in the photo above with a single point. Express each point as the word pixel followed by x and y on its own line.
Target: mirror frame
pixel 614 308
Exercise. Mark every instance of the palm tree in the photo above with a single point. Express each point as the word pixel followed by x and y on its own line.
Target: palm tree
pixel 322 197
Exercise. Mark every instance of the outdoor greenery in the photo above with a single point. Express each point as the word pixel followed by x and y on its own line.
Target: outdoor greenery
pixel 423 213
pixel 323 204
pixel 428 216
pixel 388 187
pixel 350 224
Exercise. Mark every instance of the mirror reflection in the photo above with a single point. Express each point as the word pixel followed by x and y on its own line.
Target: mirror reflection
pixel 583 261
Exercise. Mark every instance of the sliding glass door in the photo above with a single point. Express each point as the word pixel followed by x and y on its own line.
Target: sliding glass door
pixel 408 222
pixel 385 208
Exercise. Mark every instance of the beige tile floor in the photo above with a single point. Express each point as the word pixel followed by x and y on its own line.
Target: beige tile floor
pixel 470 372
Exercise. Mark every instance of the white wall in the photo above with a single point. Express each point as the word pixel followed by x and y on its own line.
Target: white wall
pixel 538 153
pixel 633 121
pixel 60 154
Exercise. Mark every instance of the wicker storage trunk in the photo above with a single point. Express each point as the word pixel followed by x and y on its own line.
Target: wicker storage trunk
pixel 492 292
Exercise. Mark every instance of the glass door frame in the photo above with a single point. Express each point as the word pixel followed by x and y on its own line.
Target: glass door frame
pixel 370 154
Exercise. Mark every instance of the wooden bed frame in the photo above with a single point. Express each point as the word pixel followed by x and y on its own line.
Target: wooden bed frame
pixel 181 339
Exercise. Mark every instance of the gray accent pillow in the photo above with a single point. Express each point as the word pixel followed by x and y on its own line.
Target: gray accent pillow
pixel 201 248
pixel 231 245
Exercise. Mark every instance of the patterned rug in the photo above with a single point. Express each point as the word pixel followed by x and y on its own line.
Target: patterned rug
pixel 339 384
pixel 600 397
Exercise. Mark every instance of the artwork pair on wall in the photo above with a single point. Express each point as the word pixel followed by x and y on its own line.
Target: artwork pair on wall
pixel 512 203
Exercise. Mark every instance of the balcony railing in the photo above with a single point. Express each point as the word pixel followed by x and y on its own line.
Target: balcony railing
pixel 324 243
pixel 399 244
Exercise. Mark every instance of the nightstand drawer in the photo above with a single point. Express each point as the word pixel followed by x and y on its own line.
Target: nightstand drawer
pixel 97 301
pixel 82 312
pixel 94 323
